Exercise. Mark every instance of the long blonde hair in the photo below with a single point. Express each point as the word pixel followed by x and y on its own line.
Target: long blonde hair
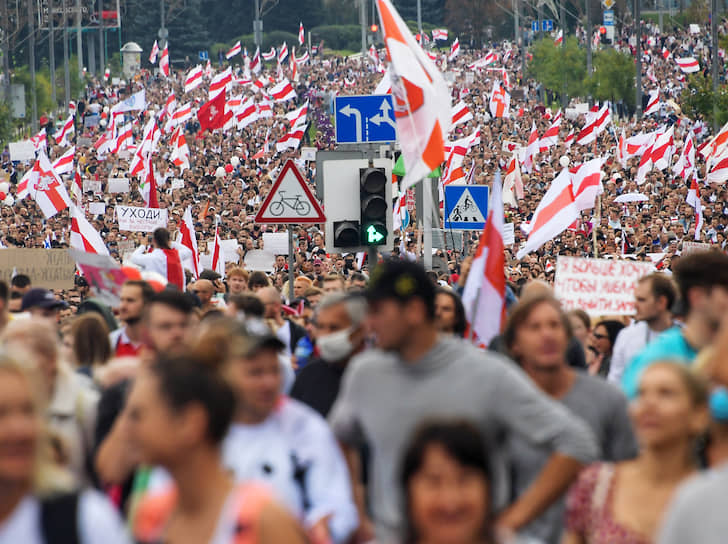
pixel 48 477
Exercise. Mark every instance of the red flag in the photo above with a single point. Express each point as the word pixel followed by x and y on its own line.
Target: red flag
pixel 211 115
pixel 153 201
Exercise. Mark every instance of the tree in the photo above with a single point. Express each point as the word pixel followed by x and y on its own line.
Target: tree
pixel 551 66
pixel 469 19
pixel 613 77
pixel 697 99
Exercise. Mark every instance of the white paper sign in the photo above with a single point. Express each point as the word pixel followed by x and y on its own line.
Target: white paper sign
pixel 22 151
pixel 259 259
pixel 118 185
pixel 178 184
pixel 509 234
pixel 96 208
pixel 230 249
pixel 600 287
pixel 91 185
pixel 136 219
pixel 693 247
pixel 308 153
pixel 205 261
pixel 276 242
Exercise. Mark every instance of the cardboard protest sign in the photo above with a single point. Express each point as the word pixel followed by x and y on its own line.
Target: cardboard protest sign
pixel 103 274
pixel 132 218
pixel 118 185
pixel 598 286
pixel 693 247
pixel 276 242
pixel 49 268
pixel 22 151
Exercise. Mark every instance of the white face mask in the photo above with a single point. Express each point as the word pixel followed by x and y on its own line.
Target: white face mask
pixel 336 346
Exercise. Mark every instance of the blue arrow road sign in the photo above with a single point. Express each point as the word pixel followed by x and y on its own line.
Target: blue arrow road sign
pixel 365 119
pixel 534 26
pixel 547 25
pixel 203 55
pixel 466 206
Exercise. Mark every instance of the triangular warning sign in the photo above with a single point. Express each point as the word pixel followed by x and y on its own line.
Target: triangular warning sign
pixel 290 200
pixel 466 210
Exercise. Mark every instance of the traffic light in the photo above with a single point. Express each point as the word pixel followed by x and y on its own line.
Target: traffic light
pixel 373 205
pixel 374 28
pixel 346 233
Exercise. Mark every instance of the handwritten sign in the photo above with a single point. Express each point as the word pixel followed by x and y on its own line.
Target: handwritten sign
pixel 693 247
pixel 136 219
pixel 598 286
pixel 49 268
pixel 178 183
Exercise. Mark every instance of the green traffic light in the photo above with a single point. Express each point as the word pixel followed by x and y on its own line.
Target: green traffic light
pixel 373 235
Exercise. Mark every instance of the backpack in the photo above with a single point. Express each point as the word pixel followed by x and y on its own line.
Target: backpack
pixel 59 519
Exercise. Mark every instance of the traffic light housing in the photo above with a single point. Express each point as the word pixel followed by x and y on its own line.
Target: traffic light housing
pixel 373 205
pixel 346 233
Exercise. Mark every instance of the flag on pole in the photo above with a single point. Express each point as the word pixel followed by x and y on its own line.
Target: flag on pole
pixel 68 128
pixel 164 61
pixel 695 201
pixel 653 104
pixel 270 55
pixel 559 37
pixel 149 188
pixel 154 53
pixel 193 78
pixel 460 114
pixel 218 255
pixel 188 238
pixel 64 163
pixel 454 50
pixel 421 97
pixel 688 64
pixel 46 187
pixel 500 101
pixel 211 115
pixel 255 64
pixel 531 149
pixel 84 236
pixel 439 34
pixel 283 53
pixel 234 50
pixel 301 34
pixel 484 296
pixel 513 186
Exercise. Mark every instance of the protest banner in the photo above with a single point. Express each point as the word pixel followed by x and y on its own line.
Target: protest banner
pixel 49 268
pixel 230 249
pixel 258 259
pixel 276 242
pixel 509 234
pixel 91 185
pixel 132 218
pixel 118 185
pixel 103 273
pixel 96 208
pixel 178 183
pixel 693 247
pixel 598 286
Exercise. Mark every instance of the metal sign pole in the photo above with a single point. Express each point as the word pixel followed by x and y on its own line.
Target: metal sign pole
pixel 427 222
pixel 291 263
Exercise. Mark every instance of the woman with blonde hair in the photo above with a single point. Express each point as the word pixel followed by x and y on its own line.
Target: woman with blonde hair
pixel 624 503
pixel 37 501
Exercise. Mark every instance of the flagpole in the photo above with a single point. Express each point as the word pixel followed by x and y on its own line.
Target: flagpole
pixel 597 221
pixel 291 261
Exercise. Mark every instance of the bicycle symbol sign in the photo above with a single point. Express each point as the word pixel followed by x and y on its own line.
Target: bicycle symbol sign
pixel 290 200
pixel 298 204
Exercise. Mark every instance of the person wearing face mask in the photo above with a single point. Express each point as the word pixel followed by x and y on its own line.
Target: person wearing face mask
pixel 339 329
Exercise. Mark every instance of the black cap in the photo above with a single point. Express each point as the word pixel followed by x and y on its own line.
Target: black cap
pixel 41 298
pixel 401 280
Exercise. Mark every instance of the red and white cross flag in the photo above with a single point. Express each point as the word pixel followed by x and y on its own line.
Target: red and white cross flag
pixel 422 105
pixel 84 236
pixel 513 186
pixel 454 50
pixel 500 101
pixel 46 188
pixel 484 296
pixel 439 34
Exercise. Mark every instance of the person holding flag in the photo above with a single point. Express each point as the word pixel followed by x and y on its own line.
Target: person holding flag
pixel 165 259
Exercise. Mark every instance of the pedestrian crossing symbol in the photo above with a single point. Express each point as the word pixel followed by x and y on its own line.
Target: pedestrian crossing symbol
pixel 466 206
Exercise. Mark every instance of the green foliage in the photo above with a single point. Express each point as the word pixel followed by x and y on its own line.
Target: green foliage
pixel 697 99
pixel 338 36
pixel 42 89
pixel 6 124
pixel 551 66
pixel 612 78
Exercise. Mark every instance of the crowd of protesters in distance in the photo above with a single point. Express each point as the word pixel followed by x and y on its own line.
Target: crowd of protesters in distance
pixel 358 409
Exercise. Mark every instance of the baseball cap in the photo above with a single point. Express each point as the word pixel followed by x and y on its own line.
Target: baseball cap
pixel 401 280
pixel 41 298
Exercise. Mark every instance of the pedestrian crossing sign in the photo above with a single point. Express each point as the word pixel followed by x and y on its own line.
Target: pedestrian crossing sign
pixel 466 207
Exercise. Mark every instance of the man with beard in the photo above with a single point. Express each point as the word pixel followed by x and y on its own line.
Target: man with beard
pixel 127 340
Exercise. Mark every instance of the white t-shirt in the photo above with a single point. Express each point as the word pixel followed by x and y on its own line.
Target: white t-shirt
pixel 98 522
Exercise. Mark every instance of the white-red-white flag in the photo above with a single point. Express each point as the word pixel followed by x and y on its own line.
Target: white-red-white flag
pixel 180 155
pixel 164 61
pixel 595 126
pixel 695 201
pixel 84 236
pixel 559 37
pixel 460 114
pixel 255 63
pixel 531 149
pixel 586 181
pixel 653 104
pixel 283 53
pixel 62 133
pixel 500 101
pixel 270 55
pixel 484 296
pixel 454 50
pixel 188 238
pixel 301 34
pixel 513 185
pixel 154 53
pixel 686 162
pixel 553 215
pixel 422 106
pixel 193 79
pixel 234 50
pixel 551 136
pixel 64 163
pixel 688 64
pixel 282 91
pixel 218 254
pixel 220 81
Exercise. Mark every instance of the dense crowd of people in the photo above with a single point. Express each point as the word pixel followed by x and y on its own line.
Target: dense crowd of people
pixel 352 406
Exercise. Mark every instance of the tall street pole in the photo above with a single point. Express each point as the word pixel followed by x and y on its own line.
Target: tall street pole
pixel 6 48
pixel 66 71
pixel 79 40
pixel 714 60
pixel 52 52
pixel 419 21
pixel 638 63
pixel 363 20
pixel 588 39
pixel 31 63
pixel 564 98
pixel 102 60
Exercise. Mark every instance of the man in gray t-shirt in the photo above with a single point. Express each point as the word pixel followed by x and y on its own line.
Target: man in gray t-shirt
pixel 416 375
